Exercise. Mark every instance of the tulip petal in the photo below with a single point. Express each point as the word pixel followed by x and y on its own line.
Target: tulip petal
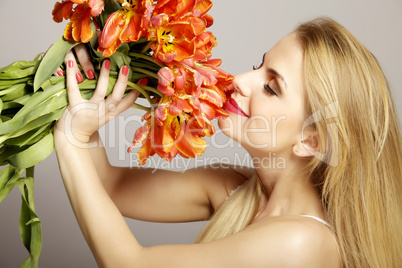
pixel 112 29
pixel 161 115
pixel 190 144
pixel 166 90
pixel 174 8
pixel 178 106
pixel 204 6
pixel 96 7
pixel 165 76
pixel 145 152
pixel 62 10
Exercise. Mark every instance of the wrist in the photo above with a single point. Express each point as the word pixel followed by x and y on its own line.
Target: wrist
pixel 62 139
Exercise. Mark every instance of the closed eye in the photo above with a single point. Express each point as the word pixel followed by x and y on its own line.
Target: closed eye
pixel 269 90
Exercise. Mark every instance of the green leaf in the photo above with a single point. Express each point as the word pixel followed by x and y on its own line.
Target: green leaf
pixel 34 124
pixel 38 99
pixel 5 84
pixel 19 69
pixel 120 57
pixel 30 137
pixel 15 92
pixel 25 216
pixel 3 119
pixel 5 175
pixel 52 60
pixel 94 40
pixel 10 185
pixel 17 102
pixel 34 154
pixel 29 223
pixel 51 105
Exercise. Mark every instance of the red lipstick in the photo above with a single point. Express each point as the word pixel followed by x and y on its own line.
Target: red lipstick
pixel 232 106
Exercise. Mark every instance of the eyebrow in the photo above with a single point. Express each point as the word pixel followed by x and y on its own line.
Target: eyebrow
pixel 275 73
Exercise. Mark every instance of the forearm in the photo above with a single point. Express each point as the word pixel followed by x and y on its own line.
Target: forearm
pixel 96 213
pixel 98 154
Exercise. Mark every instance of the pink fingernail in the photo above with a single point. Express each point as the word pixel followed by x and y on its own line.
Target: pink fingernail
pixel 124 70
pixel 60 73
pixel 91 74
pixel 70 64
pixel 107 64
pixel 79 77
pixel 143 81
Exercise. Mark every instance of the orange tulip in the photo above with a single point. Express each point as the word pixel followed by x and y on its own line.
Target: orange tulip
pixel 79 27
pixel 124 26
pixel 171 40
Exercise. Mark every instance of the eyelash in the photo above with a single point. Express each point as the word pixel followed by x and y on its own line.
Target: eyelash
pixel 266 86
pixel 269 90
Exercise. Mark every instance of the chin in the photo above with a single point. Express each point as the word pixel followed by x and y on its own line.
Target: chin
pixel 224 126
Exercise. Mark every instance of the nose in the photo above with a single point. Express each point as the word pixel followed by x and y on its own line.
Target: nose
pixel 241 83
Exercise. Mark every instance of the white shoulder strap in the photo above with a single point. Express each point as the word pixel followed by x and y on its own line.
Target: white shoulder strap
pixel 317 219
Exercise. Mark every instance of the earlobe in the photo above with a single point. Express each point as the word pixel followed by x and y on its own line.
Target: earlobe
pixel 307 147
pixel 302 150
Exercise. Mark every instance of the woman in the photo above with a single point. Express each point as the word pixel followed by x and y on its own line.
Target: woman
pixel 335 203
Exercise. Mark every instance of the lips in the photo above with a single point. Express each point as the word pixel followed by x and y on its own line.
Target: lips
pixel 232 106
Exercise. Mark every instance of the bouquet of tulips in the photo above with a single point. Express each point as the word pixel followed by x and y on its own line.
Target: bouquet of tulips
pixel 168 48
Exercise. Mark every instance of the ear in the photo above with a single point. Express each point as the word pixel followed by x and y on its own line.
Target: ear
pixel 308 146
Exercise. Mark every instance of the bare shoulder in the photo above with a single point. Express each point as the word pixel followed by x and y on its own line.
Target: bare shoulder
pixel 286 242
pixel 295 241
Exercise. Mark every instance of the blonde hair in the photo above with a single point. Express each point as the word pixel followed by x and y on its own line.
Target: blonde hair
pixel 359 170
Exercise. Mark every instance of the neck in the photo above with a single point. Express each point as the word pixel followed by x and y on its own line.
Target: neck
pixel 288 191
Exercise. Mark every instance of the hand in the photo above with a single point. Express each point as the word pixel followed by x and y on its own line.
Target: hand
pixel 83 117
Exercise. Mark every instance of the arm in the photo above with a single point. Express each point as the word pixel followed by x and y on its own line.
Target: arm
pixel 169 196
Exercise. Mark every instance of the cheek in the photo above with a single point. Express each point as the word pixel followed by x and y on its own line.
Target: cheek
pixel 264 132
pixel 274 128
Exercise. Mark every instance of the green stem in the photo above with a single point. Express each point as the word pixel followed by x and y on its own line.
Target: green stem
pixel 140 89
pixel 30 172
pixel 139 106
pixel 145 49
pixel 154 90
pixel 143 71
pixel 145 57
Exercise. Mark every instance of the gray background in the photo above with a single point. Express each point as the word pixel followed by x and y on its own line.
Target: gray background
pixel 244 33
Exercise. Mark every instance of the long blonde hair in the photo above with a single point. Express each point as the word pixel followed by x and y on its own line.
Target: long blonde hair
pixel 359 169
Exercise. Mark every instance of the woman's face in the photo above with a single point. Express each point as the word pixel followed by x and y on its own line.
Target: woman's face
pixel 272 98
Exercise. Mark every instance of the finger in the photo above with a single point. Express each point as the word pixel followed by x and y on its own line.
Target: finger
pixel 58 72
pixel 77 72
pixel 74 95
pixel 127 101
pixel 119 87
pixel 85 60
pixel 103 82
